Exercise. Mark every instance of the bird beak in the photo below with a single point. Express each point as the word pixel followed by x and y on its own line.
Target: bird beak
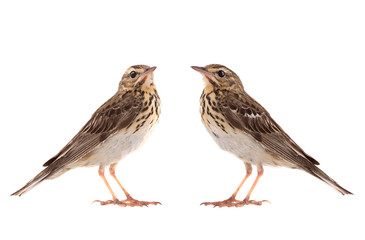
pixel 205 73
pixel 145 75
pixel 201 70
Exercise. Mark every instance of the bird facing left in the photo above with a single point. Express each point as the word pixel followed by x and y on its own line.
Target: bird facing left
pixel 117 128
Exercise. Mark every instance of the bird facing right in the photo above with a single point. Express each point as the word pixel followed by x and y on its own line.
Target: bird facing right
pixel 240 125
pixel 117 128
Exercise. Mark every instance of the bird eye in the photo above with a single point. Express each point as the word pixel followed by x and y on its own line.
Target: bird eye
pixel 133 74
pixel 221 73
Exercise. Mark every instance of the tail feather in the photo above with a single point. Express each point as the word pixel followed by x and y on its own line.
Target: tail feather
pixel 315 171
pixel 32 183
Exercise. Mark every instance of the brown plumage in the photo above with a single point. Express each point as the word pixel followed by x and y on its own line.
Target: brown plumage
pixel 118 127
pixel 243 127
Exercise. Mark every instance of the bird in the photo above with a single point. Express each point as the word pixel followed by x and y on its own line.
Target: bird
pixel 240 125
pixel 118 127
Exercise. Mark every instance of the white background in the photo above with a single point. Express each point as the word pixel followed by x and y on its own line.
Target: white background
pixel 302 60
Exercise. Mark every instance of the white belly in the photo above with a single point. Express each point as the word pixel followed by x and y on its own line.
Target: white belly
pixel 245 147
pixel 115 148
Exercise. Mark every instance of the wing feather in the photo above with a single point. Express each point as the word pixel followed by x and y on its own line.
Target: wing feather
pixel 115 114
pixel 245 114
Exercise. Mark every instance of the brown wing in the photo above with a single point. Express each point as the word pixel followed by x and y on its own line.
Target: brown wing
pixel 244 113
pixel 117 113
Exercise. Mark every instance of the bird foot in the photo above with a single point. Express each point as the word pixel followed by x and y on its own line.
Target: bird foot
pixel 129 202
pixel 251 202
pixel 232 202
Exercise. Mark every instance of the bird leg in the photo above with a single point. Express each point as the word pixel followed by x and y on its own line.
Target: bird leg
pixel 232 201
pixel 115 199
pixel 247 201
pixel 131 202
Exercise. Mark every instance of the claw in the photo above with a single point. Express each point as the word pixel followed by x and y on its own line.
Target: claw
pixel 127 203
pixel 232 202
pixel 115 202
pixel 253 202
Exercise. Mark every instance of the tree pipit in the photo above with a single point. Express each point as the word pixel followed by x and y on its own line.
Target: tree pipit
pixel 117 128
pixel 240 125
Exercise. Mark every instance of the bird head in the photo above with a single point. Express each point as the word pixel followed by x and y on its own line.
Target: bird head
pixel 137 76
pixel 219 76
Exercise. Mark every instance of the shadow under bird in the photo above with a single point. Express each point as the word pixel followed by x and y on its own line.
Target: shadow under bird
pixel 117 128
pixel 240 125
